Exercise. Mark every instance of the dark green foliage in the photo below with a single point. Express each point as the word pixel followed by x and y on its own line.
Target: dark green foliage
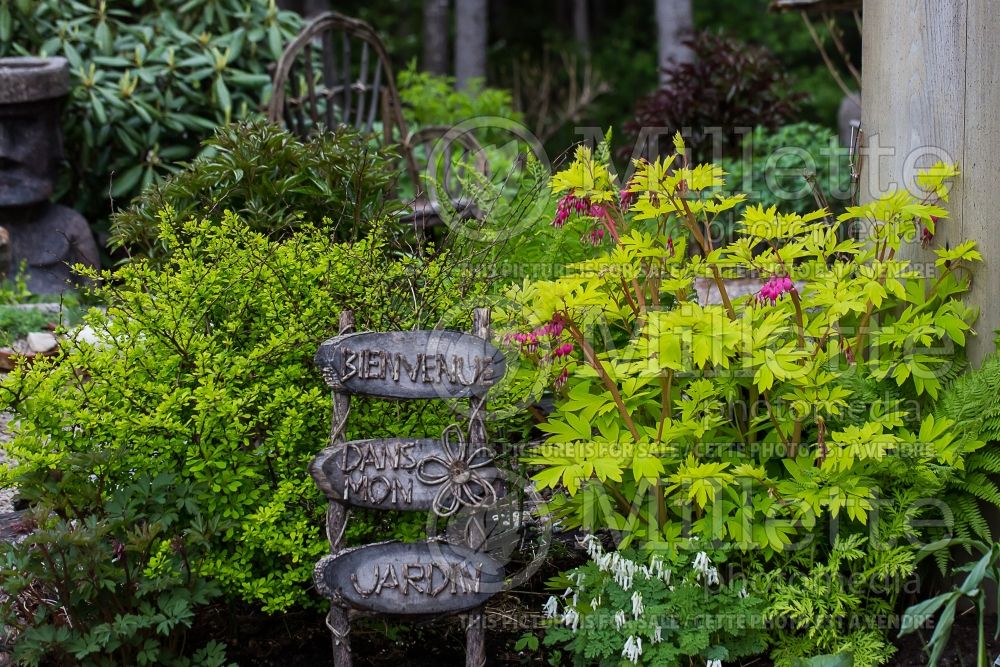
pixel 973 401
pixel 730 85
pixel 430 99
pixel 108 575
pixel 515 234
pixel 755 22
pixel 682 619
pixel 785 166
pixel 865 392
pixel 272 180
pixel 150 80
pixel 973 588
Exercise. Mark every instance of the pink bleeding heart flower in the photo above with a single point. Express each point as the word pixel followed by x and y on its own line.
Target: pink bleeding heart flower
pixel 926 235
pixel 594 238
pixel 774 289
pixel 563 350
pixel 571 204
pixel 562 378
pixel 554 327
pixel 626 199
pixel 528 341
pixel 563 210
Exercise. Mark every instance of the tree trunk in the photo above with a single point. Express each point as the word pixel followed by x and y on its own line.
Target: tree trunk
pixel 674 22
pixel 436 32
pixel 581 24
pixel 471 31
pixel 930 93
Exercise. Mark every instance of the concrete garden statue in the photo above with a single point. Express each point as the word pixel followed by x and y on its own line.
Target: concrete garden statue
pixel 45 237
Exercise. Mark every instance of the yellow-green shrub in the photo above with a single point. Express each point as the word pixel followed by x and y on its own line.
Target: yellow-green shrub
pixel 204 369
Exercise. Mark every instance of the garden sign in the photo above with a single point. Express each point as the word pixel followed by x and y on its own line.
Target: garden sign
pixel 444 475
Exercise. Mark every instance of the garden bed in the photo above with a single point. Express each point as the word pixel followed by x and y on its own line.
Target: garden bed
pixel 302 640
pixel 28 331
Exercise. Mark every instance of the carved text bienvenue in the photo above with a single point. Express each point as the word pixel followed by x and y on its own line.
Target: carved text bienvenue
pixel 410 364
pixel 368 364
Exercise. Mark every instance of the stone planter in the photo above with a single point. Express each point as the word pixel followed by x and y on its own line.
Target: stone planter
pixel 47 237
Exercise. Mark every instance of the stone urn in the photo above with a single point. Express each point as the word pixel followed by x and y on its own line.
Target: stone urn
pixel 47 239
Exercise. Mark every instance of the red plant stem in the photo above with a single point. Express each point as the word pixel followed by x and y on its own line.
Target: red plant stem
pixel 609 384
pixel 661 505
pixel 800 320
pixel 666 412
pixel 691 222
pixel 863 325
pixel 640 295
pixel 609 224
pixel 629 299
pixel 774 420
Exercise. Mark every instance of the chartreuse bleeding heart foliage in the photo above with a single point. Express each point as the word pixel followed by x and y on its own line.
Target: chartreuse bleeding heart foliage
pixel 786 431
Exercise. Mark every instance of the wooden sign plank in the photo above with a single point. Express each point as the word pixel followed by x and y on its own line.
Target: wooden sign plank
pixel 410 364
pixel 407 474
pixel 409 579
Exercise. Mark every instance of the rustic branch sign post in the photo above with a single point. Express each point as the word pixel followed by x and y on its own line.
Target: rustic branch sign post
pixel 443 475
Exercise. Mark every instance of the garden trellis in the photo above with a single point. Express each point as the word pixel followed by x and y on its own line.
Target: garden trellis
pixel 418 579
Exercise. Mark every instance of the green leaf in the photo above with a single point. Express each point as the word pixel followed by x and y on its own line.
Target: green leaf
pixel 99 111
pixel 974 580
pixel 645 466
pixel 942 631
pixel 548 477
pixel 127 182
pixel 222 96
pixel 274 41
pixel 5 23
pixel 917 615
pixel 103 39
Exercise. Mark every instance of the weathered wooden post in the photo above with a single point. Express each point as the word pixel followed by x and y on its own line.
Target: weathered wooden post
pixel 475 633
pixel 930 91
pixel 444 475
pixel 336 512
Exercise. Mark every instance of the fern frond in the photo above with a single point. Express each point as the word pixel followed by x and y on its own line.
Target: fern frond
pixel 972 400
pixel 980 486
pixel 985 461
pixel 969 519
